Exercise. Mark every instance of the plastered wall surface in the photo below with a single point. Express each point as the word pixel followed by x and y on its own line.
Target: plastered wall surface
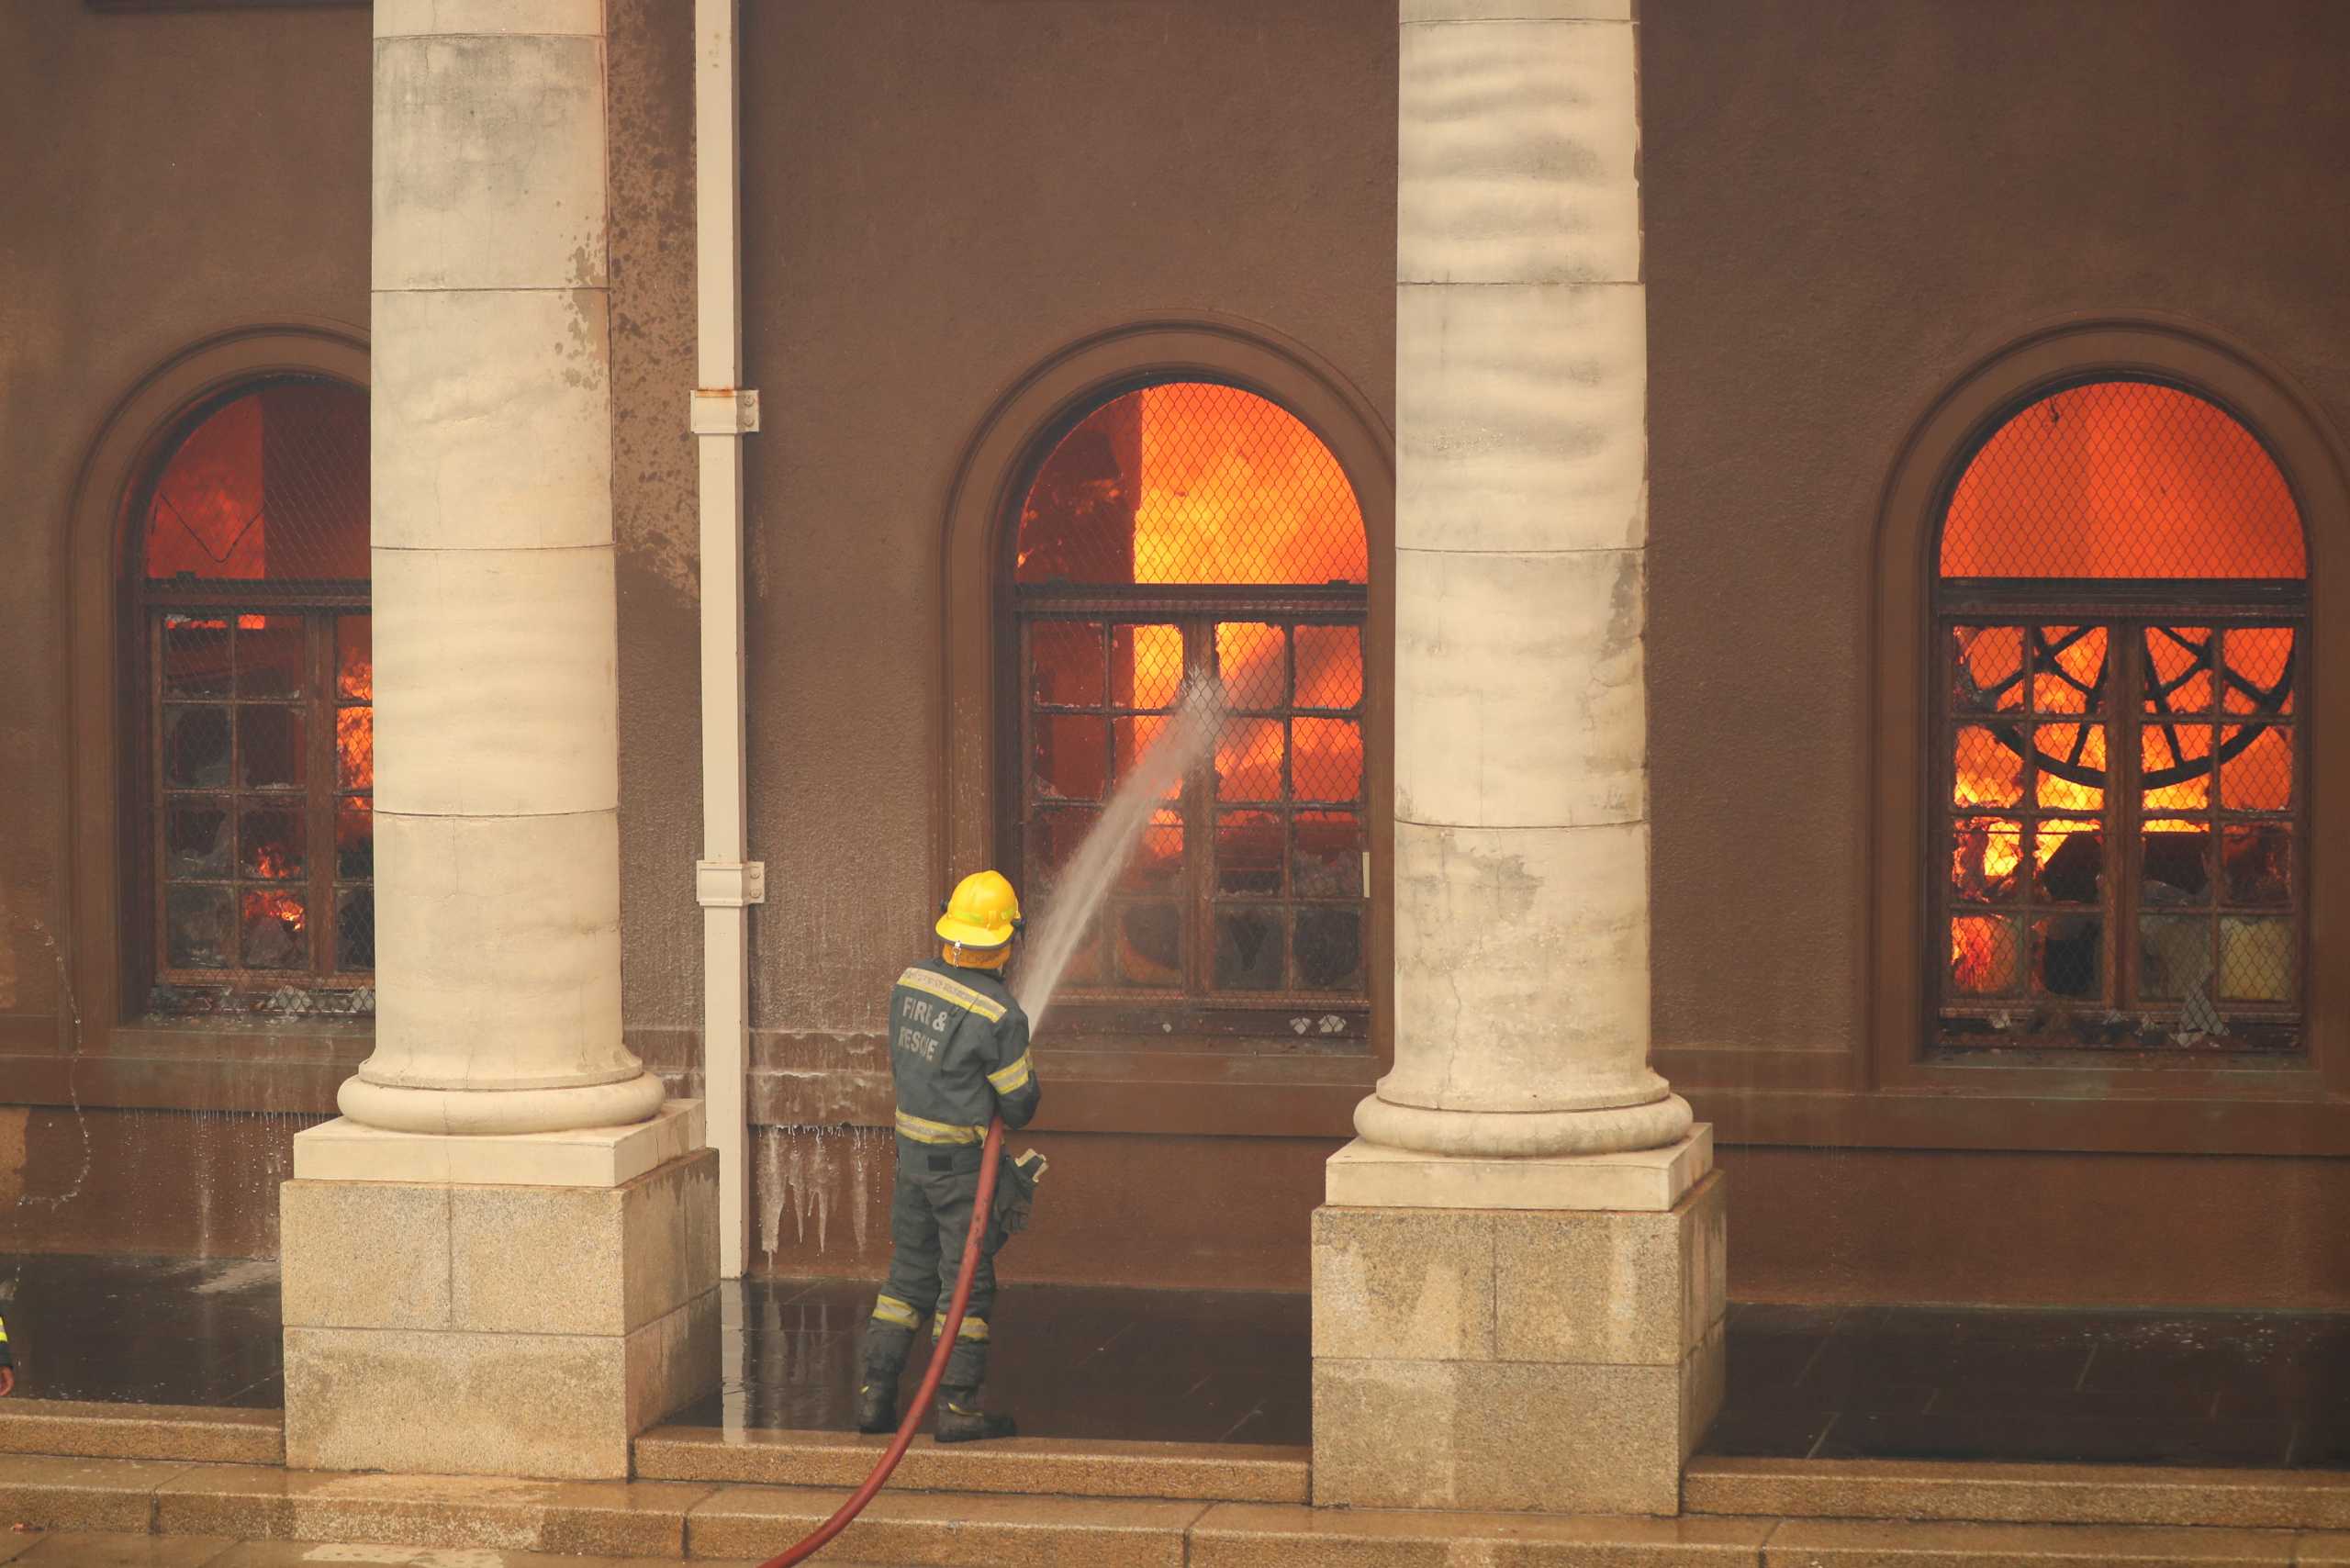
pixel 1849 203
pixel 935 199
pixel 162 177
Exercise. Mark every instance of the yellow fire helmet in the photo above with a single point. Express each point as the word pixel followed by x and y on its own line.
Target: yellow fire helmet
pixel 983 913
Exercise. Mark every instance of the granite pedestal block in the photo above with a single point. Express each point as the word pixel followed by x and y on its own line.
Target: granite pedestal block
pixel 1523 1355
pixel 527 1317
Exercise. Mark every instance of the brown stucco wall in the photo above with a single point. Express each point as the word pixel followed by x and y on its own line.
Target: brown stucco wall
pixel 161 177
pixel 1849 203
pixel 936 198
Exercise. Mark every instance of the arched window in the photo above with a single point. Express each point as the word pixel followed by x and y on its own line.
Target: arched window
pixel 2120 832
pixel 254 724
pixel 1195 532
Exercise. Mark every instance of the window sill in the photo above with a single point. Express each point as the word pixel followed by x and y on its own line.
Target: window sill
pixel 1811 1097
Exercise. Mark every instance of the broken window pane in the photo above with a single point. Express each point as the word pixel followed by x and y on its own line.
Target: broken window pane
pixel 1327 854
pixel 355 930
pixel 273 938
pixel 1247 947
pixel 1989 768
pixel 1149 941
pixel 2174 956
pixel 1157 864
pixel 1329 948
pixel 1986 669
pixel 195 842
pixel 197 925
pixel 1065 665
pixel 272 652
pixel 2068 955
pixel 2259 864
pixel 1248 852
pixel 2175 867
pixel 2256 767
pixel 270 844
pixel 2070 856
pixel 1071 757
pixel 355 838
pixel 195 657
pixel 269 747
pixel 195 747
pixel 1984 955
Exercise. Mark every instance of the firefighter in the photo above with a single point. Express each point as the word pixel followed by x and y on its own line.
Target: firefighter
pixel 7 1362
pixel 958 1051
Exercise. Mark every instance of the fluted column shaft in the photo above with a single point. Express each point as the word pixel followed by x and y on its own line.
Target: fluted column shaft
pixel 1521 747
pixel 497 784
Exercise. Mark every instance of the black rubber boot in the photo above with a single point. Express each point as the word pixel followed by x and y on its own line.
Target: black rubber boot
pixel 877 1390
pixel 961 1420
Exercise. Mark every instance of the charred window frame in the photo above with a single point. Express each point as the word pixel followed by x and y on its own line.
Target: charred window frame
pixel 249 832
pixel 2117 813
pixel 1247 914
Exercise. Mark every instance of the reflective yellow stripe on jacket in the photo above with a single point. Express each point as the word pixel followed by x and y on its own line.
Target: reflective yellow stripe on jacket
pixel 923 1130
pixel 946 990
pixel 1007 1078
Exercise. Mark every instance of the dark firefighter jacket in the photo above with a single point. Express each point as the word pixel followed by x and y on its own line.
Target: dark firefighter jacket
pixel 958 1049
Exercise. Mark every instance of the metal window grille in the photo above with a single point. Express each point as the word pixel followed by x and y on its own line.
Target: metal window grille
pixel 2122 824
pixel 1196 532
pixel 256 727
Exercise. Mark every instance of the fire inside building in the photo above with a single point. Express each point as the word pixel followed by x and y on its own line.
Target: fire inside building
pixel 1754 939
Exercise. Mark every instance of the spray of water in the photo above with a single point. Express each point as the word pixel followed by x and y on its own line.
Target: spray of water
pixel 1077 892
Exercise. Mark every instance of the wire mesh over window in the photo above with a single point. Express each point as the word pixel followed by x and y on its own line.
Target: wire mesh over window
pixel 2122 820
pixel 258 721
pixel 1192 533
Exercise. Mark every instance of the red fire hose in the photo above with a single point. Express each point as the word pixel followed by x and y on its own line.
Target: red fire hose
pixel 824 1533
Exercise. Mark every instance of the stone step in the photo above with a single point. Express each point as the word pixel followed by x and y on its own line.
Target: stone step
pixel 2019 1494
pixel 949 1529
pixel 1220 1472
pixel 658 1520
pixel 74 1428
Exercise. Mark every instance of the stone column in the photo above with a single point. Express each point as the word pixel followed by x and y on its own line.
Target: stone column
pixel 498 779
pixel 1518 1279
pixel 503 1259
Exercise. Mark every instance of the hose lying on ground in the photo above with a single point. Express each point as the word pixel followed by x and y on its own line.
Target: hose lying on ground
pixel 972 1244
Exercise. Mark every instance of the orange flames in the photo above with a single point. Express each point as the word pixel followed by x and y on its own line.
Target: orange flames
pixel 354 723
pixel 271 862
pixel 1234 489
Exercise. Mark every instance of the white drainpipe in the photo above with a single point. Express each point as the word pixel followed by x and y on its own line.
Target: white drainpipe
pixel 722 413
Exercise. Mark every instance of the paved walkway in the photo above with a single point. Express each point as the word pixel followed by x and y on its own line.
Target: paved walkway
pixel 2221 1389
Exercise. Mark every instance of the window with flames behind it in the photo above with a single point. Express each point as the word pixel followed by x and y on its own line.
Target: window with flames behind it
pixel 1192 533
pixel 2122 824
pixel 251 582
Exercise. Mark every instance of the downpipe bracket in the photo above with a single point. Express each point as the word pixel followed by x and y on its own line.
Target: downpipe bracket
pixel 730 884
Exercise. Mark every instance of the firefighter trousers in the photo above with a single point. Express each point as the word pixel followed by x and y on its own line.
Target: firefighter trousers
pixel 930 1219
